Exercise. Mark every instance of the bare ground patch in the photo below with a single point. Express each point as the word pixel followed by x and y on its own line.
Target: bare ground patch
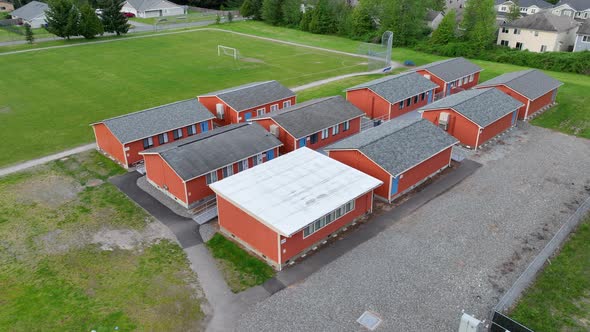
pixel 50 190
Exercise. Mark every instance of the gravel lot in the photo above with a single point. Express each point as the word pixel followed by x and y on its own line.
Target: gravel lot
pixel 460 251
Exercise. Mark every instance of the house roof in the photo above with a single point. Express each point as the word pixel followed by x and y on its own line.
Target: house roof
pixel 530 83
pixel 30 11
pixel 138 125
pixel 584 28
pixel 528 3
pixel 544 21
pixel 143 5
pixel 398 87
pixel 253 94
pixel 578 5
pixel 291 192
pixel 312 116
pixel 451 70
pixel 431 15
pixel 482 106
pixel 397 146
pixel 200 154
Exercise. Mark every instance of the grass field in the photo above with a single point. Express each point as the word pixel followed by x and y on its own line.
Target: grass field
pixel 38 33
pixel 559 300
pixel 240 269
pixel 50 97
pixel 192 16
pixel 63 264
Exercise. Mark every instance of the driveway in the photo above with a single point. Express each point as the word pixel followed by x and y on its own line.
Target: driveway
pixel 462 250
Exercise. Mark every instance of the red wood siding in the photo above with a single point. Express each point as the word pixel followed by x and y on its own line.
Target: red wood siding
pixel 296 244
pixel 459 127
pixel 540 102
pixel 355 127
pixel 107 142
pixel 396 111
pixel 233 116
pixel 287 139
pixel 434 79
pixel 441 83
pixel 424 170
pixel 369 102
pixel 249 230
pixel 357 160
pixel 495 128
pixel 159 172
pixel 515 95
pixel 266 107
pixel 211 104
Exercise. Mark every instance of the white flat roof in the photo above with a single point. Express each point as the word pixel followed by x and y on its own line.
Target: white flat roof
pixel 290 192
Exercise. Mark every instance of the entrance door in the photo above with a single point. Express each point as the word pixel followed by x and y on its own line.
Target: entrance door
pixel 394 185
pixel 248 116
pixel 430 97
pixel 204 127
pixel 514 117
pixel 270 155
pixel 302 142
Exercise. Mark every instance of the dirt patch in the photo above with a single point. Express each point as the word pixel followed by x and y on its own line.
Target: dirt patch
pixel 252 60
pixel 52 190
pixel 94 182
pixel 127 239
pixel 5 109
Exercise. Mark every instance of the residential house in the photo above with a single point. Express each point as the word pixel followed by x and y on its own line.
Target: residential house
pixel 124 137
pixel 541 32
pixel 402 154
pixel 525 7
pixel 153 8
pixel 391 96
pixel 433 18
pixel 451 75
pixel 578 9
pixel 184 170
pixel 282 209
pixel 582 42
pixel 6 6
pixel 535 89
pixel 241 103
pixel 474 116
pixel 314 124
pixel 32 14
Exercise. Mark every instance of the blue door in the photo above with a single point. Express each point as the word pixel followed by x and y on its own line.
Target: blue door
pixel 394 183
pixel 204 127
pixel 514 117
pixel 270 155
pixel 553 95
pixel 302 142
pixel 449 88
pixel 248 116
pixel 429 97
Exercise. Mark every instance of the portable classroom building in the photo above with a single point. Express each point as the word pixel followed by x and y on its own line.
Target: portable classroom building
pixel 315 123
pixel 283 208
pixel 241 103
pixel 402 154
pixel 184 170
pixel 474 116
pixel 451 75
pixel 124 137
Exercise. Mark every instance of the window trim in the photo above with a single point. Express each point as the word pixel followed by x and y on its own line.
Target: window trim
pixel 211 177
pixel 163 138
pixel 335 130
pixel 346 125
pixel 260 111
pixel 228 171
pixel 177 134
pixel 274 107
pixel 329 218
pixel 150 142
pixel 325 133
pixel 286 103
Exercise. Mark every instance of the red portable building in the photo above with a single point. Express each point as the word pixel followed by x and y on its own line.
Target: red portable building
pixel 451 75
pixel 474 116
pixel 184 170
pixel 391 96
pixel 241 103
pixel 535 89
pixel 315 123
pixel 122 138
pixel 282 209
pixel 402 154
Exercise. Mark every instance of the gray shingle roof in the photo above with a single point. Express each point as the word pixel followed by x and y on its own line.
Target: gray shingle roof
pixel 314 115
pixel 544 21
pixel 138 125
pixel 253 94
pixel 578 5
pixel 451 70
pixel 530 83
pixel 482 106
pixel 398 145
pixel 528 3
pixel 398 87
pixel 30 10
pixel 200 154
pixel 431 15
pixel 585 28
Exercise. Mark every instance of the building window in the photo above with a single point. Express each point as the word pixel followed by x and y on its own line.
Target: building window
pixel 536 33
pixel 504 43
pixel 503 9
pixel 471 77
pixel 211 177
pixel 517 31
pixel 242 165
pixel 523 9
pixel 177 133
pixel 328 219
pixel 163 138
pixel 346 126
pixel 459 82
pixel 286 103
pixel 423 96
pixel 415 99
pixel 148 142
pixel 325 133
pixel 228 171
pixel 519 46
pixel 274 108
pixel 586 39
pixel 408 101
pixel 191 130
pixel 335 129
pixel 504 30
pixel 543 48
pixel 257 159
pixel 313 138
pixel 533 10
pixel 260 111
pixel 465 79
pixel 401 104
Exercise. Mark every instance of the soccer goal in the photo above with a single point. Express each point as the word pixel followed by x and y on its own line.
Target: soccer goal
pixel 229 51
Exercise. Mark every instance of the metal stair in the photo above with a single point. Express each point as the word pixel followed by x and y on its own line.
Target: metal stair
pixel 206 215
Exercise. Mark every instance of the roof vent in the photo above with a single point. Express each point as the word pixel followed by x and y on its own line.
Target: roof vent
pixel 369 320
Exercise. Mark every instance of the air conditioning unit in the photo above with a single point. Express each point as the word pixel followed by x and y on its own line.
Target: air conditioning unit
pixel 427 76
pixel 274 129
pixel 220 108
pixel 443 121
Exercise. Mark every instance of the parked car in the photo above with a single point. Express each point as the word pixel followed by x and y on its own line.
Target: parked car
pixel 129 14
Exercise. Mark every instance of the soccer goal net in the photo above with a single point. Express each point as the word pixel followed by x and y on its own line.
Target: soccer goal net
pixel 229 51
pixel 378 55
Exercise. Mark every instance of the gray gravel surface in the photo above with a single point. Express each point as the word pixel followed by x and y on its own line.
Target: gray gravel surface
pixel 208 230
pixel 460 251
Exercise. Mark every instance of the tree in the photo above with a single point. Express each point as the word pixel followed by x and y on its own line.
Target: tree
pixel 306 19
pixel 513 12
pixel 113 19
pixel 252 8
pixel 217 19
pixel 90 24
pixel 272 12
pixel 322 18
pixel 292 12
pixel 361 21
pixel 479 23
pixel 62 18
pixel 445 33
pixel 230 17
pixel 405 18
pixel 438 5
pixel 29 34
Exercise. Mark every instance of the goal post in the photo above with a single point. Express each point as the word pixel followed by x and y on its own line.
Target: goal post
pixel 229 51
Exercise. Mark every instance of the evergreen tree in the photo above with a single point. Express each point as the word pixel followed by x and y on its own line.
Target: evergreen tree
pixel 113 19
pixel 252 8
pixel 513 12
pixel 361 21
pixel 272 12
pixel 482 33
pixel 90 24
pixel 322 19
pixel 405 18
pixel 230 17
pixel 62 18
pixel 29 34
pixel 438 5
pixel 306 19
pixel 445 33
pixel 292 12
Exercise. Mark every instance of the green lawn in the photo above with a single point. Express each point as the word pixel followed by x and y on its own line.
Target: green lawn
pixel 192 16
pixel 50 97
pixel 559 300
pixel 38 33
pixel 55 277
pixel 240 269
